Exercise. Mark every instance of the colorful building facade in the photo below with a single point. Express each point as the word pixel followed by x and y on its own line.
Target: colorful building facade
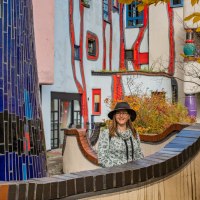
pixel 22 143
pixel 101 49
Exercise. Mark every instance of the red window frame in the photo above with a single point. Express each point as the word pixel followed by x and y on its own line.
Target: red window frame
pixel 92 36
pixel 95 92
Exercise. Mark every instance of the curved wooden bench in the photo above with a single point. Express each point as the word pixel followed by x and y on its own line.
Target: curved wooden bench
pixel 91 155
pixel 83 143
pixel 164 175
pixel 162 136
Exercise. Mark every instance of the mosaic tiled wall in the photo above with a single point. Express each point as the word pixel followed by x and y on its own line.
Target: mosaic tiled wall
pixel 22 144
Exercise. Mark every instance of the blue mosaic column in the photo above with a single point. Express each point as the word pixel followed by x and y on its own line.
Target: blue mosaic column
pixel 22 143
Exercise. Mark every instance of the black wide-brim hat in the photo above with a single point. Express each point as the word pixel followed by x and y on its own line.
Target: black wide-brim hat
pixel 123 106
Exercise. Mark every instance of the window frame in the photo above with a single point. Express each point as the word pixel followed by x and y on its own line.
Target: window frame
pixel 135 18
pixel 96 91
pixel 129 54
pixel 107 12
pixel 176 5
pixel 93 49
pixel 93 37
pixel 76 49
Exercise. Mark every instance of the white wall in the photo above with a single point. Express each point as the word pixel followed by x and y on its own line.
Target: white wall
pixel 105 83
pixel 159 42
pixel 147 84
pixel 188 10
pixel 115 41
pixel 158 37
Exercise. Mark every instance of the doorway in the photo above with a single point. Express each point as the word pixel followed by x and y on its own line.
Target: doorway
pixel 65 113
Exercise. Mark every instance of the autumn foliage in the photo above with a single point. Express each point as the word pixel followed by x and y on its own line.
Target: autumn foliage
pixel 154 114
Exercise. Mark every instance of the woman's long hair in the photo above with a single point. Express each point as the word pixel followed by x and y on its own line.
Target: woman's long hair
pixel 113 127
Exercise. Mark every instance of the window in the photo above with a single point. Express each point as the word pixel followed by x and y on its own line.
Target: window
pixel 115 4
pixel 176 3
pixel 96 101
pixel 174 90
pixel 134 18
pixel 76 52
pixel 92 46
pixel 106 10
pixel 129 54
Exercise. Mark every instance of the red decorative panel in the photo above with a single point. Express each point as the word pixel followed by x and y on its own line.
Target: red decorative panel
pixel 171 40
pixel 111 32
pixel 96 101
pixel 104 45
pixel 104 37
pixel 122 46
pixel 27 146
pixel 81 90
pixel 144 58
pixel 117 87
pixel 72 39
pixel 84 105
pixel 136 45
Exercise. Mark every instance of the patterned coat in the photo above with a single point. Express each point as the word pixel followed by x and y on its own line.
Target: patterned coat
pixel 113 151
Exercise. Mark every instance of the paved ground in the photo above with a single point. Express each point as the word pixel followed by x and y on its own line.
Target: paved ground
pixel 54 162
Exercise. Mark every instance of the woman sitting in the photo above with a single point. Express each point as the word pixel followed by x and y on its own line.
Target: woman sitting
pixel 120 143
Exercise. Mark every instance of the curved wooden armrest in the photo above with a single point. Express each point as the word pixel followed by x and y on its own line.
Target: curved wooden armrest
pixel 84 146
pixel 164 135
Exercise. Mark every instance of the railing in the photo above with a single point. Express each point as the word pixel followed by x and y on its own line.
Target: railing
pixel 170 173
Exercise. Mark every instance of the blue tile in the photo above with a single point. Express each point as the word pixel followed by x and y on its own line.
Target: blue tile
pixel 5 46
pixel 13 80
pixel 2 167
pixel 20 168
pixel 9 73
pixel 27 167
pixel 21 7
pixel 17 167
pixel 31 171
pixel 30 160
pixel 1 100
pixel 34 168
pixel 15 2
pixel 11 162
pixel 24 171
pixel 5 102
pixel 9 43
pixel 18 60
pixel 1 32
pixel 24 158
pixel 5 78
pixel 9 12
pixel 1 83
pixel 5 17
pixel 1 63
pixel 13 108
pixel 14 166
pixel 7 167
pixel 39 167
